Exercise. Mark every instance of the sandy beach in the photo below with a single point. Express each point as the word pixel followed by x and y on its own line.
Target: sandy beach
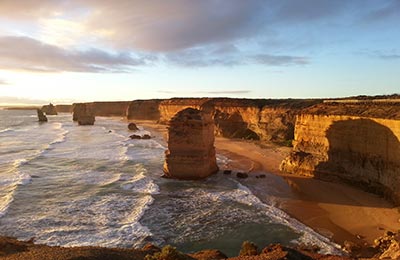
pixel 336 210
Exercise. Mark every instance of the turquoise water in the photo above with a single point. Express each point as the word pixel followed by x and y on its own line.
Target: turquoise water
pixel 73 185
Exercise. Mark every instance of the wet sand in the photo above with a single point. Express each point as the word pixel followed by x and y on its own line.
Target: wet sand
pixel 338 211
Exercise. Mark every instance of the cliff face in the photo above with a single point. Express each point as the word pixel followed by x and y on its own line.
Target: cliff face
pixel 359 150
pixel 64 108
pixel 191 151
pixel 169 107
pixel 144 110
pixel 117 108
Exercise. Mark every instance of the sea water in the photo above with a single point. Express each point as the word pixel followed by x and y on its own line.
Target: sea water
pixel 69 185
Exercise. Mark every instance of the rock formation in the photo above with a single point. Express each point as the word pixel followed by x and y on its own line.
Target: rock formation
pixel 117 108
pixel 132 127
pixel 49 109
pixel 357 149
pixel 83 114
pixel 191 151
pixel 41 116
pixel 144 110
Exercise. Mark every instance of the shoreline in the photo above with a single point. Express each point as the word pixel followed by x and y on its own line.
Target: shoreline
pixel 337 211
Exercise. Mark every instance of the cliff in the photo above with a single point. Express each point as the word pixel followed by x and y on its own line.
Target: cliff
pixel 359 148
pixel 64 108
pixel 257 119
pixel 191 151
pixel 144 110
pixel 169 107
pixel 117 108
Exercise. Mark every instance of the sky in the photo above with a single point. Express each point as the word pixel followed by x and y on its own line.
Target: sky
pixel 65 51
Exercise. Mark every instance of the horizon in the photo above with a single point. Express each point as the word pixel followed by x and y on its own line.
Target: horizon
pixel 81 51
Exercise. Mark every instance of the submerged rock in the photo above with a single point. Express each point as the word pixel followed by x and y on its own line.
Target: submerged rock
pixel 242 175
pixel 42 117
pixel 227 172
pixel 138 137
pixel 191 151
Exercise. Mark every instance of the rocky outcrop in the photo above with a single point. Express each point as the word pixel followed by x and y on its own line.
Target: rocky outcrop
pixel 191 151
pixel 49 109
pixel 360 150
pixel 132 127
pixel 144 110
pixel 86 120
pixel 41 115
pixel 388 245
pixel 77 110
pixel 83 114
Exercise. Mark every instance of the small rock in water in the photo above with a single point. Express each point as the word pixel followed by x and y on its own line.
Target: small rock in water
pixel 109 131
pixel 135 137
pixel 227 171
pixel 242 175
pixel 133 127
pixel 261 176
pixel 146 137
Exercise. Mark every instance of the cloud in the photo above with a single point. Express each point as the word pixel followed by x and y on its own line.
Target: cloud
pixel 229 56
pixel 19 100
pixel 380 54
pixel 387 55
pixel 24 53
pixel 4 82
pixel 160 26
pixel 387 10
pixel 280 60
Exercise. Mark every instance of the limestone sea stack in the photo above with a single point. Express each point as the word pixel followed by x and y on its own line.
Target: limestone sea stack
pixel 49 109
pixel 191 151
pixel 83 114
pixel 42 117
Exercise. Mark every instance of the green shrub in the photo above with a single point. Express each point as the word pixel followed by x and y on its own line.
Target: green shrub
pixel 168 253
pixel 248 248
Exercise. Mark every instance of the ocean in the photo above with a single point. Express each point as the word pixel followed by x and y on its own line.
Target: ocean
pixel 69 185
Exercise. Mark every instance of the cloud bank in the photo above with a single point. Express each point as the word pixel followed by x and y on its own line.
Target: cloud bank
pixel 188 33
pixel 24 53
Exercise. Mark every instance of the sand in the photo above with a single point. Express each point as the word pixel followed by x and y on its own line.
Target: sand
pixel 338 211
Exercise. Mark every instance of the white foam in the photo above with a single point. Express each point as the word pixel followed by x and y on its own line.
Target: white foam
pixel 10 179
pixel 308 236
pixel 6 130
pixel 140 183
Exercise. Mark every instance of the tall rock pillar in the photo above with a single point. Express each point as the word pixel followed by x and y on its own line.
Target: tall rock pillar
pixel 191 151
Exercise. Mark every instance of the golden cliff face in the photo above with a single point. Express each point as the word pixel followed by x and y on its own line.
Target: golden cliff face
pixel 169 107
pixel 360 150
pixel 268 120
pixel 144 110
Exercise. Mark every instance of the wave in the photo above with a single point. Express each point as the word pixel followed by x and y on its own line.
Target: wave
pixel 308 236
pixel 10 180
pixel 140 183
pixel 6 130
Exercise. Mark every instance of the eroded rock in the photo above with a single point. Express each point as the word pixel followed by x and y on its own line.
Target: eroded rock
pixel 191 151
pixel 42 117
pixel 132 127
